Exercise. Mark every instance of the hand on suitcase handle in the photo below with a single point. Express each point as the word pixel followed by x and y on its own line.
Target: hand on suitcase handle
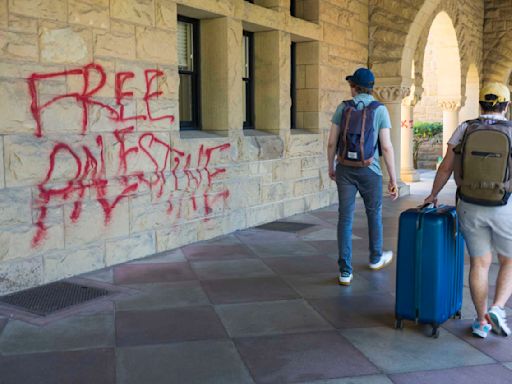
pixel 431 199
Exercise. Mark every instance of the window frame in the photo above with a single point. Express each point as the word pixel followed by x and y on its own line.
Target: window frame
pixel 249 83
pixel 195 76
pixel 293 85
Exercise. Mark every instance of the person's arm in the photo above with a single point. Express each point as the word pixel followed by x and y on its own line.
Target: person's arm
pixel 442 175
pixel 331 149
pixel 389 160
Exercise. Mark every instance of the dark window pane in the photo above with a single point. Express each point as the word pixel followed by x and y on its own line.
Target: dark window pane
pixel 186 97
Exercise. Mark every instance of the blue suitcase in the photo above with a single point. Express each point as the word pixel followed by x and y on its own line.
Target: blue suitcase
pixel 430 267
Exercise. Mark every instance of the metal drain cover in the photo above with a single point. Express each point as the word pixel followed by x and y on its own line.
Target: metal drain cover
pixel 285 226
pixel 47 299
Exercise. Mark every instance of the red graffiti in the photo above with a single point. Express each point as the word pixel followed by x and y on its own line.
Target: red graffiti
pixel 144 159
pixel 407 124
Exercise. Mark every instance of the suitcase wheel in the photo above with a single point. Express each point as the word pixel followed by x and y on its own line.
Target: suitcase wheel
pixel 399 324
pixel 457 315
pixel 435 332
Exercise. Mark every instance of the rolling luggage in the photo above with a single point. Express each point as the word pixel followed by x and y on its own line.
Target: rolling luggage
pixel 430 267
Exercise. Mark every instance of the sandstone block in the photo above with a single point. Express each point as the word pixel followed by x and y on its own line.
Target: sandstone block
pixel 219 7
pixel 306 186
pixel 234 220
pixel 307 100
pixel 27 158
pixel 92 225
pixel 308 53
pixel 115 45
pixel 301 145
pixel 146 216
pixel 16 241
pixel 272 193
pixel 2 175
pixel 156 45
pixel 294 206
pixel 73 261
pixel 45 9
pixel 166 15
pixel 264 214
pixel 4 19
pixel 19 46
pixel 15 107
pixel 94 13
pixel 15 206
pixel 177 236
pixel 159 107
pixel 210 228
pixel 19 274
pixel 285 170
pixel 133 11
pixel 135 247
pixel 22 24
pixel 121 27
pixel 65 45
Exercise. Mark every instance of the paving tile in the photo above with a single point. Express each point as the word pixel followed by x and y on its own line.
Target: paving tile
pixel 293 249
pixel 302 357
pixel 366 379
pixel 167 325
pixel 78 367
pixel 245 290
pixel 230 269
pixel 369 310
pixel 105 275
pixel 326 247
pixel 321 234
pixel 322 285
pixel 408 350
pixel 302 265
pixel 198 362
pixel 258 236
pixel 153 273
pixel 488 374
pixel 508 365
pixel 76 332
pixel 204 252
pixel 3 323
pixel 497 347
pixel 272 317
pixel 163 295
pixel 173 256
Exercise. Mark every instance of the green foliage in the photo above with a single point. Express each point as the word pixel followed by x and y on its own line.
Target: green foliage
pixel 424 132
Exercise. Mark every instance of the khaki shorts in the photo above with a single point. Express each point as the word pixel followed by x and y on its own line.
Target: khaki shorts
pixel 486 228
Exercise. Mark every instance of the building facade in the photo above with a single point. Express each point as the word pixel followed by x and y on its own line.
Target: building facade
pixel 132 127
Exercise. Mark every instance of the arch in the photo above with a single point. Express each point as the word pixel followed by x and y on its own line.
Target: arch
pixel 470 109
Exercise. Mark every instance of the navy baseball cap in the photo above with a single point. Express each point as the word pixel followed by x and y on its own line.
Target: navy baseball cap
pixel 362 77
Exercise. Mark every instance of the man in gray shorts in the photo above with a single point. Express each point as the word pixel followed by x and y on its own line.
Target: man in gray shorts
pixel 484 227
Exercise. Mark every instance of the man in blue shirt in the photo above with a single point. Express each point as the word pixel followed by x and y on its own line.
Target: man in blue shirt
pixel 366 180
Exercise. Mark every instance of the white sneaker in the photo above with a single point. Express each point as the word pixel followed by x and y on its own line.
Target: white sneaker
pixel 385 259
pixel 345 278
pixel 498 318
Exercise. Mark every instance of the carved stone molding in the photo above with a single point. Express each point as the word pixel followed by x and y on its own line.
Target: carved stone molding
pixel 411 100
pixel 449 105
pixel 393 94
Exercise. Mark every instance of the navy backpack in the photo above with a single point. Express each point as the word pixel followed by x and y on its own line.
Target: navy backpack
pixel 356 146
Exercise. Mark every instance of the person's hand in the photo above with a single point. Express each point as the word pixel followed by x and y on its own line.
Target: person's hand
pixel 332 173
pixel 431 199
pixel 393 190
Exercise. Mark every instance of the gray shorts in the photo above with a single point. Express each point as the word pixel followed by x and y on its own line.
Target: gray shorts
pixel 486 228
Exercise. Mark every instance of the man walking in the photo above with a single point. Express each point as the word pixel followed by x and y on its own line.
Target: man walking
pixel 357 127
pixel 486 222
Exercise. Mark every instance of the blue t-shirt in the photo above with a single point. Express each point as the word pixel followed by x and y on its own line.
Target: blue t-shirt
pixel 381 121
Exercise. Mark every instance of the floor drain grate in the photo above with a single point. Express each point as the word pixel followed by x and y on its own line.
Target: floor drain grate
pixel 285 226
pixel 49 298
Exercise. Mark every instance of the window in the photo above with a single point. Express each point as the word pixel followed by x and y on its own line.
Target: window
pixel 293 86
pixel 188 68
pixel 248 79
pixel 292 8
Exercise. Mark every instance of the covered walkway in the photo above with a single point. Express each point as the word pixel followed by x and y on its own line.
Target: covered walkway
pixel 256 306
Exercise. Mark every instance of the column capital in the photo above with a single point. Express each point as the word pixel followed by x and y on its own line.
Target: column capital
pixel 411 100
pixel 391 94
pixel 450 104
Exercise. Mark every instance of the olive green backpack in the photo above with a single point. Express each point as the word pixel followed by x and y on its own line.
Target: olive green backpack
pixel 483 162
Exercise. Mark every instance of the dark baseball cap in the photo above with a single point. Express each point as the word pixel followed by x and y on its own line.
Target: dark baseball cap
pixel 362 77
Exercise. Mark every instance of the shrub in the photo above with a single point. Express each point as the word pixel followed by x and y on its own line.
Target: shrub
pixel 424 132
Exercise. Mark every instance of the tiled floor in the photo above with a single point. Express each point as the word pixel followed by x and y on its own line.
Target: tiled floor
pixel 256 306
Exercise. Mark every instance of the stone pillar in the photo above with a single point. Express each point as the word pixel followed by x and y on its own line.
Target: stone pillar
pixel 272 81
pixel 407 171
pixel 391 97
pixel 450 119
pixel 221 75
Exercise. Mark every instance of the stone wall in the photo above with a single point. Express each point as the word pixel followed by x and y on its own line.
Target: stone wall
pixel 94 169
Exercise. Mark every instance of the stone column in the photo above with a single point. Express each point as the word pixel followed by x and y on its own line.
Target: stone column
pixel 407 171
pixel 272 81
pixel 221 75
pixel 451 110
pixel 391 97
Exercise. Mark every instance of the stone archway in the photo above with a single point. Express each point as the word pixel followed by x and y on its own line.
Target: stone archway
pixel 470 110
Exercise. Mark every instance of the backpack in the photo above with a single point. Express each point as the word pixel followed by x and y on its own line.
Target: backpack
pixel 483 162
pixel 356 146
